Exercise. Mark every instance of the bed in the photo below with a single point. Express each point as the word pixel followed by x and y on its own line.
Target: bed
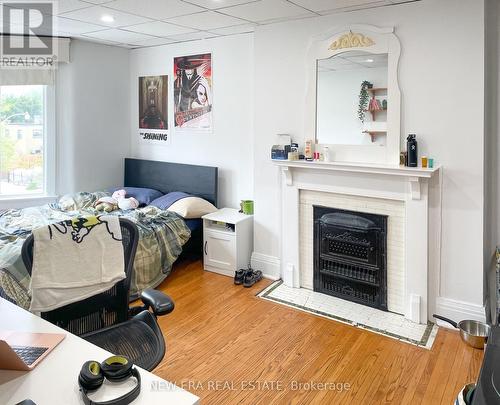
pixel 164 236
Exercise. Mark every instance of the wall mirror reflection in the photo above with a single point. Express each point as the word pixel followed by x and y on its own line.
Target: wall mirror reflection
pixel 352 99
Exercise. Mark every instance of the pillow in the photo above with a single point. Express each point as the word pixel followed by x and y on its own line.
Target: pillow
pixel 192 207
pixel 143 195
pixel 165 201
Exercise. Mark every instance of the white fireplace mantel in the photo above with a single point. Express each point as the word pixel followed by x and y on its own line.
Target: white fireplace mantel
pixel 406 184
pixel 412 174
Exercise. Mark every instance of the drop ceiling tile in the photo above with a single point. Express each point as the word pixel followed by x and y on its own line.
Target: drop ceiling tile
pixel 192 36
pixel 64 6
pixel 159 29
pixel 216 4
pixel 75 27
pixel 208 20
pixel 267 10
pixel 153 42
pixel 235 29
pixel 356 7
pixel 98 1
pixel 156 9
pixel 324 5
pixel 117 35
pixel 95 40
pixel 93 15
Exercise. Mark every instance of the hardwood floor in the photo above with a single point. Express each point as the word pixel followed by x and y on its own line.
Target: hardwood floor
pixel 229 347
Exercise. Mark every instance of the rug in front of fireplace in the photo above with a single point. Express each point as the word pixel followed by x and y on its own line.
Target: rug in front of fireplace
pixel 385 323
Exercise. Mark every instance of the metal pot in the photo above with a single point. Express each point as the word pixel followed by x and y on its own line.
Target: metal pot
pixel 474 333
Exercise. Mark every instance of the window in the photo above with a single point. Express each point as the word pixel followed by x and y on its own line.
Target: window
pixel 23 140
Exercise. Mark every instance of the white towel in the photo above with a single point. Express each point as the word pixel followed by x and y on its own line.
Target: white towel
pixel 74 260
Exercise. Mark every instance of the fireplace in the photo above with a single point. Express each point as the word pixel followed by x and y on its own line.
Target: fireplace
pixel 350 260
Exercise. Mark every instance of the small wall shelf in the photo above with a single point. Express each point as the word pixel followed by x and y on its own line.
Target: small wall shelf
pixel 374 133
pixel 376 89
pixel 373 111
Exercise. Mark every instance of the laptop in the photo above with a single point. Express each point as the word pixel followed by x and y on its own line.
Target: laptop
pixel 24 350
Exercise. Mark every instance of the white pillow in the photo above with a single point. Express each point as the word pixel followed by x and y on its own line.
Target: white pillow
pixel 192 207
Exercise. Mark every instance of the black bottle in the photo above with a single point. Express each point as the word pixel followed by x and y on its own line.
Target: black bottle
pixel 411 145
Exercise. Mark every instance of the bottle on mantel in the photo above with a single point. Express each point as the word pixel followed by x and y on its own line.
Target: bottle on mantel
pixel 412 150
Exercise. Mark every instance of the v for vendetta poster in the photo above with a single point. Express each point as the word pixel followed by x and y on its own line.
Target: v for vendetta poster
pixel 193 92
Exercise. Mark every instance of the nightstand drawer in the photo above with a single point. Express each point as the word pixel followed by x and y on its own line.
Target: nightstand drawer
pixel 219 250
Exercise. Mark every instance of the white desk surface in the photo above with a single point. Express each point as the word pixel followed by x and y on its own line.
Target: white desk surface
pixel 55 379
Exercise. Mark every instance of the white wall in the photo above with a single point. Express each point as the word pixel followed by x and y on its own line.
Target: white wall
pixel 230 146
pixel 92 117
pixel 442 53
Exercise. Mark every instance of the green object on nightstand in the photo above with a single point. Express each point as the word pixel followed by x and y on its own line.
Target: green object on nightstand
pixel 246 207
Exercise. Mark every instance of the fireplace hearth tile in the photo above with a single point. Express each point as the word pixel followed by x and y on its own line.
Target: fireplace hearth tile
pixel 389 324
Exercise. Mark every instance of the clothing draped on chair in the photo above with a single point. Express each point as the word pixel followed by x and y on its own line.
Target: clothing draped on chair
pixel 74 260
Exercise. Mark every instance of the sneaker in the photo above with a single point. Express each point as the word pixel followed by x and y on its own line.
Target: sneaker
pixel 252 277
pixel 239 276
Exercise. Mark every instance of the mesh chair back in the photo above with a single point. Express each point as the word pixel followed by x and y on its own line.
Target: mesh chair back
pixel 102 310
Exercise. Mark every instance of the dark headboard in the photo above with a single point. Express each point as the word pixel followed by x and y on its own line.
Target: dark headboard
pixel 166 177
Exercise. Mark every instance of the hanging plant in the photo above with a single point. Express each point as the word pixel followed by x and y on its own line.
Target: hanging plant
pixel 363 99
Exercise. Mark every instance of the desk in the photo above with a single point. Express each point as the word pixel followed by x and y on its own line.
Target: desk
pixel 54 380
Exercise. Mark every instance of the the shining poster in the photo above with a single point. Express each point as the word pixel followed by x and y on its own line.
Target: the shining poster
pixel 193 92
pixel 153 108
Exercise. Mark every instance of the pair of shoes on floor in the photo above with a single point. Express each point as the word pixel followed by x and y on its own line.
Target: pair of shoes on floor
pixel 247 277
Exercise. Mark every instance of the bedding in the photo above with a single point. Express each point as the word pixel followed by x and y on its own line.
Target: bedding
pixel 162 235
pixel 194 224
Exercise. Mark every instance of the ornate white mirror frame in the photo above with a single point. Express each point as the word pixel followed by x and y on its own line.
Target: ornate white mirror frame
pixel 368 39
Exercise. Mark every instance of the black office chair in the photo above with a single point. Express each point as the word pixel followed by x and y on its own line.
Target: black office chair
pixel 106 319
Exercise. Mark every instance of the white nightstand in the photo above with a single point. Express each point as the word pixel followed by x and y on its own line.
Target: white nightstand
pixel 227 241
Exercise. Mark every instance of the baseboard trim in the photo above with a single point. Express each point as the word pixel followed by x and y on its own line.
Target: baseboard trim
pixel 458 310
pixel 269 265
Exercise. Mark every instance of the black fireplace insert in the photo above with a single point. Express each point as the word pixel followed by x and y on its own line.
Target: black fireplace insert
pixel 350 259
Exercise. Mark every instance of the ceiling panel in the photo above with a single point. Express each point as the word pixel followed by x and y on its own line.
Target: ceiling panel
pixel 156 22
pixel 63 6
pixel 267 10
pixel 156 9
pixel 235 29
pixel 330 5
pixel 98 1
pixel 206 21
pixel 75 27
pixel 153 42
pixel 94 14
pixel 216 4
pixel 192 36
pixel 117 35
pixel 159 29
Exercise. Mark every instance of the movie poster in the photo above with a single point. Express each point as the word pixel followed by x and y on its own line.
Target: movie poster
pixel 153 108
pixel 193 92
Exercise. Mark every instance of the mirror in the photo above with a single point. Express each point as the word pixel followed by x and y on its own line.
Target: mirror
pixel 343 64
pixel 351 99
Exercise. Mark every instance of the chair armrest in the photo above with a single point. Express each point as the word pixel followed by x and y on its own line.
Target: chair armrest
pixel 160 303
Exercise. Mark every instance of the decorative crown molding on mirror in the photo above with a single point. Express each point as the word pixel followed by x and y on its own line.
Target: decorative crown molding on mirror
pixel 365 40
pixel 351 40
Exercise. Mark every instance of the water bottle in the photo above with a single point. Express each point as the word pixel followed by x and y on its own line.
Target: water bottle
pixel 411 144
